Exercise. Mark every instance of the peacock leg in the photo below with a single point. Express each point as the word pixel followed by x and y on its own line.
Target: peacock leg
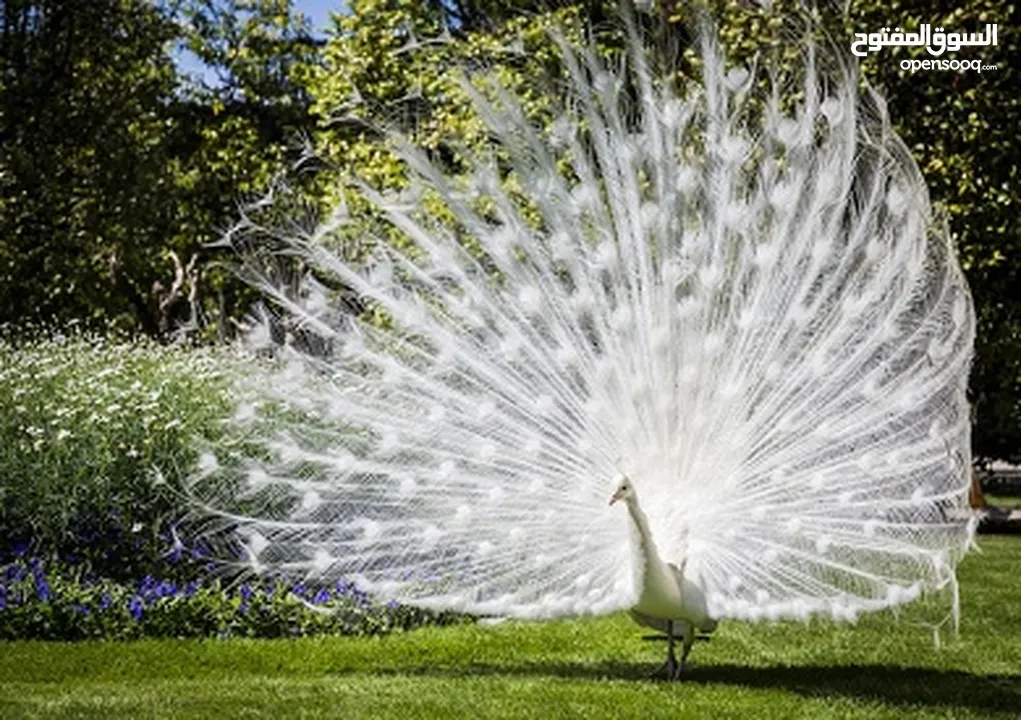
pixel 671 669
pixel 689 640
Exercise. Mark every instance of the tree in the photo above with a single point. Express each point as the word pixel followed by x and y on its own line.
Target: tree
pixel 232 136
pixel 83 165
pixel 116 172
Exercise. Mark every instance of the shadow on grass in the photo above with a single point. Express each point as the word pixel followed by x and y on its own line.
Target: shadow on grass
pixel 890 684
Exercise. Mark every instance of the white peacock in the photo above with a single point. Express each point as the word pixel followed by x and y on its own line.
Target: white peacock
pixel 757 320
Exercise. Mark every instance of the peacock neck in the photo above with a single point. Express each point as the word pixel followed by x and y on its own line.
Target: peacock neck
pixel 659 594
pixel 646 545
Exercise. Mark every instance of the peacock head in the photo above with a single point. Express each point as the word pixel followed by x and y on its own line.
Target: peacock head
pixel 625 490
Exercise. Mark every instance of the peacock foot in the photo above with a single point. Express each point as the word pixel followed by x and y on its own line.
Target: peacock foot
pixel 669 671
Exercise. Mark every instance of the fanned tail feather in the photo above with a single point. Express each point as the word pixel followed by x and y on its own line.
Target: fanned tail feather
pixel 752 313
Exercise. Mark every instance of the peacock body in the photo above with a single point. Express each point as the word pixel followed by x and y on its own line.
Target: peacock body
pixel 750 315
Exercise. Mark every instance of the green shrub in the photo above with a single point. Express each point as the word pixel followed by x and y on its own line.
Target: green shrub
pixel 93 434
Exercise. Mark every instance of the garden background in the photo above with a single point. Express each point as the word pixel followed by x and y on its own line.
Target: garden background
pixel 133 133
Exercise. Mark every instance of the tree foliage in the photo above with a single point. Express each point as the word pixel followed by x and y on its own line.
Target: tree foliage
pixel 117 170
pixel 84 171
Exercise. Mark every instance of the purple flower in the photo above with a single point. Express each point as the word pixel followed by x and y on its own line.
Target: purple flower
pixel 42 588
pixel 191 588
pixel 135 607
pixel 79 609
pixel 16 572
pixel 21 548
pixel 246 597
pixel 104 601
pixel 165 588
pixel 200 550
pixel 321 597
pixel 3 602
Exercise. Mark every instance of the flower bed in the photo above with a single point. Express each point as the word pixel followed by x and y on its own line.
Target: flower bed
pixel 93 434
pixel 46 601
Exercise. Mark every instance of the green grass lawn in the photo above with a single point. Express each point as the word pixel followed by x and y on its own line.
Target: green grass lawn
pixel 587 668
pixel 1004 501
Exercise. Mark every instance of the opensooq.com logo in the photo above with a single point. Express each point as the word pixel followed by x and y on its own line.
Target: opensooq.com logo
pixel 936 42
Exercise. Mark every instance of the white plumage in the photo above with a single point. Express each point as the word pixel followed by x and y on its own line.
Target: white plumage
pixel 750 314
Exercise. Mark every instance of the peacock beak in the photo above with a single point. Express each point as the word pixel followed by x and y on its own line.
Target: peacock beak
pixel 615 497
